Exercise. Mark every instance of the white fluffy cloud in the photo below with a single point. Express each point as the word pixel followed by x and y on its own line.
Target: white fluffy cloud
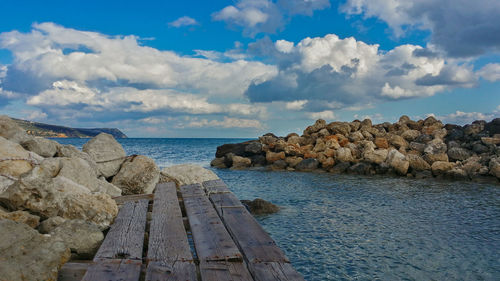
pixel 462 28
pixel 462 118
pixel 326 115
pixel 183 21
pixel 490 72
pixel 225 123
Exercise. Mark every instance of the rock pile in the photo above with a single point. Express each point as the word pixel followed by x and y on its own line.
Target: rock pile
pixel 61 192
pixel 423 148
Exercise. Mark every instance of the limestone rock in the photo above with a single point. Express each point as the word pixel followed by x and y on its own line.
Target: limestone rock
pixel 241 162
pixel 72 152
pixel 420 147
pixel 21 216
pixel 344 154
pixel 398 141
pixel 254 147
pixel 490 141
pixel 11 131
pixel 342 128
pixel 458 153
pixel 50 224
pixel 417 163
pixel 41 146
pixel 271 157
pixel 307 165
pixel 398 162
pixel 410 135
pixel 318 125
pixel 431 158
pixel 495 167
pixel 260 206
pixel 293 161
pixel 441 167
pixel 279 165
pixel 381 143
pixel 22 160
pixel 188 174
pixel 376 156
pixel 218 163
pixel 138 174
pixel 83 238
pixel 435 146
pixel 28 255
pixel 106 152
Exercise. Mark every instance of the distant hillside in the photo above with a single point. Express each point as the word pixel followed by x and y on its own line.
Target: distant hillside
pixel 54 131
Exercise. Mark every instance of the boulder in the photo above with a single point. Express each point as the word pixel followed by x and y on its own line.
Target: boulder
pixel 11 131
pixel 381 143
pixel 218 163
pixel 356 136
pixel 28 255
pixel 50 224
pixel 342 128
pixel 138 174
pixel 431 158
pixel 307 165
pixel 417 163
pixel 241 162
pixel 83 238
pixel 327 163
pixel 294 139
pixel 22 161
pixel 344 154
pixel 70 151
pixel 397 141
pixel 420 147
pixel 188 174
pixel 493 127
pixel 271 157
pixel 398 162
pixel 436 146
pixel 318 125
pixel 458 153
pixel 495 167
pixel 254 147
pixel 258 160
pixel 293 161
pixel 106 152
pixel 340 167
pixel 410 135
pixel 41 146
pixel 361 169
pixel 375 156
pixel 490 141
pixel 260 206
pixel 440 167
pixel 279 165
pixel 480 148
pixel 21 216
pixel 40 193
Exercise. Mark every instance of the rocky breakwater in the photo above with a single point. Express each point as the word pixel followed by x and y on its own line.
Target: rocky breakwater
pixel 56 201
pixel 423 148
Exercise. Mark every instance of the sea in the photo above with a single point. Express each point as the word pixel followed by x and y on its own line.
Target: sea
pixel 351 227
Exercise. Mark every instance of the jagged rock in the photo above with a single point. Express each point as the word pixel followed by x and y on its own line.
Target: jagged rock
pixel 218 163
pixel 106 152
pixel 41 146
pixel 429 121
pixel 320 146
pixel 266 139
pixel 11 131
pixel 5 182
pixel 318 125
pixel 307 165
pixel 418 163
pixel 327 163
pixel 294 139
pixel 188 174
pixel 293 161
pixel 439 167
pixel 28 255
pixel 473 129
pixel 22 161
pixel 279 165
pixel 356 136
pixel 253 148
pixel 376 156
pixel 381 143
pixel 366 123
pixel 260 206
pixel 72 152
pixel 458 153
pixel 493 127
pixel 46 196
pixel 420 147
pixel 431 158
pixel 83 238
pixel 397 141
pixel 293 150
pixel 342 128
pixel 398 162
pixel 21 216
pixel 50 224
pixel 272 157
pixel 479 148
pixel 241 162
pixel 258 160
pixel 436 146
pixel 355 125
pixel 138 174
pixel 439 133
pixel 455 134
pixel 410 135
pixel 495 167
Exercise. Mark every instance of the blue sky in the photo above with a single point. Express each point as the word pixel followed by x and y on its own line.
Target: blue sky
pixel 246 67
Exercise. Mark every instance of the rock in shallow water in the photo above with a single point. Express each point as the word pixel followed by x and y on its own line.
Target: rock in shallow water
pixel 260 206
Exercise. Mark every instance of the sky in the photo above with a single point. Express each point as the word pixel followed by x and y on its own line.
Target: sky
pixel 243 68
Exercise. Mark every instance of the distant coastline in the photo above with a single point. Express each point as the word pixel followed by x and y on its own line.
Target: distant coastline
pixel 55 131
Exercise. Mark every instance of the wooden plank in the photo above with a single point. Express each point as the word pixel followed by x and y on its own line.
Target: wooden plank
pixel 73 271
pixel 122 199
pixel 215 186
pixel 114 270
pixel 224 271
pixel 274 271
pixel 167 235
pixel 125 239
pixel 211 239
pixel 171 271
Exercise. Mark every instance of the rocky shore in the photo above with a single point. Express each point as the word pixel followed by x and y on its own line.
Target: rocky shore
pixel 56 201
pixel 420 149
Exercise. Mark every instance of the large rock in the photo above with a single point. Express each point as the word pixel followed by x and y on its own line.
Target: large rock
pixel 307 165
pixel 50 224
pixel 272 157
pixel 138 174
pixel 40 193
pixel 436 146
pixel 381 143
pixel 22 160
pixel 72 152
pixel 495 167
pixel 344 154
pixel 260 206
pixel 431 158
pixel 458 153
pixel 11 131
pixel 106 152
pixel 375 156
pixel 318 125
pixel 28 255
pixel 218 163
pixel 441 167
pixel 293 161
pixel 21 216
pixel 398 162
pixel 254 147
pixel 83 238
pixel 342 128
pixel 41 146
pixel 236 148
pixel 410 135
pixel 188 174
pixel 417 163
pixel 240 162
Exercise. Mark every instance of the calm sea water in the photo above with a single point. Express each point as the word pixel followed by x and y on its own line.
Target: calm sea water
pixel 343 227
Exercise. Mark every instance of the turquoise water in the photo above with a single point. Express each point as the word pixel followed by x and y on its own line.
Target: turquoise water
pixel 345 227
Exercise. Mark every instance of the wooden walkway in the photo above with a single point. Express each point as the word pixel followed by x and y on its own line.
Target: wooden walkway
pixel 195 232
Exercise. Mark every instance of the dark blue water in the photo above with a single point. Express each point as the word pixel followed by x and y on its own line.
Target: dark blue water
pixel 342 227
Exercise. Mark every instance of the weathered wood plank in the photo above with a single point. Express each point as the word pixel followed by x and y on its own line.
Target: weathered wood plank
pixel 114 270
pixel 274 271
pixel 73 271
pixel 215 186
pixel 167 235
pixel 125 239
pixel 211 239
pixel 171 271
pixel 122 199
pixel 224 271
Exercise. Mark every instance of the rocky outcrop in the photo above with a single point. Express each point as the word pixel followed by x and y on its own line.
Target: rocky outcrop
pixel 11 131
pixel 260 206
pixel 407 148
pixel 29 255
pixel 138 174
pixel 187 174
pixel 83 238
pixel 106 152
pixel 41 146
